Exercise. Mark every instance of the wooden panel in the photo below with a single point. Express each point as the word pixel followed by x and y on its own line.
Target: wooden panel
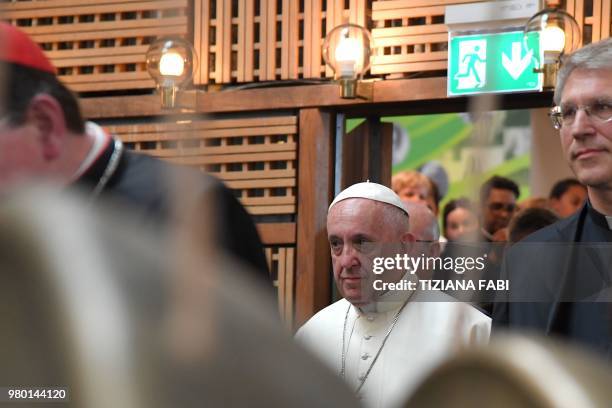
pixel 255 156
pixel 270 40
pixel 297 97
pixel 593 18
pixel 201 38
pixel 269 52
pixel 366 153
pixel 277 233
pixel 409 35
pixel 315 187
pixel 606 17
pixel 596 21
pixel 281 262
pixel 312 39
pixel 99 46
pixel 579 16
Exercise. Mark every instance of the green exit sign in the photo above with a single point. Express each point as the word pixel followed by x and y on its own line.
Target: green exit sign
pixel 493 62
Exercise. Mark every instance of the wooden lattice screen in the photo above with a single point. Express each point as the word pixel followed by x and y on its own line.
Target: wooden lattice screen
pixel 256 157
pixel 281 261
pixel 99 45
pixel 410 35
pixel 266 40
pixel 593 17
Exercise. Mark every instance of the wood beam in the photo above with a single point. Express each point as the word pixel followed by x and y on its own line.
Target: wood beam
pixel 277 233
pixel 402 96
pixel 274 98
pixel 315 189
pixel 367 153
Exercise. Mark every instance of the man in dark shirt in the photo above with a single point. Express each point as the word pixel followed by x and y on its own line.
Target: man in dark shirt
pixel 560 276
pixel 43 137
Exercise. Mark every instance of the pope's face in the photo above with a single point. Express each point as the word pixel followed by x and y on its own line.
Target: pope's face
pixel 587 143
pixel 358 233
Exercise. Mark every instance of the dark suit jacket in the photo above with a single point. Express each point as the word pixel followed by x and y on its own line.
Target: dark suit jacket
pixel 556 286
pixel 145 183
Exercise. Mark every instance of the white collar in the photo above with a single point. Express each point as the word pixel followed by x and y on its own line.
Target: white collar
pixel 101 138
pixel 391 300
pixel 609 220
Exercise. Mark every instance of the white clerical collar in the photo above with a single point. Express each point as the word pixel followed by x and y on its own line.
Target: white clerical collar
pixel 391 300
pixel 101 139
pixel 609 220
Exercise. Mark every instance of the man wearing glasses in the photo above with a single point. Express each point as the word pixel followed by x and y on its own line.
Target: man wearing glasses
pixel 565 289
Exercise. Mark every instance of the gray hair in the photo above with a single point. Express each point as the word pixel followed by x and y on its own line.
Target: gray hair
pixel 593 56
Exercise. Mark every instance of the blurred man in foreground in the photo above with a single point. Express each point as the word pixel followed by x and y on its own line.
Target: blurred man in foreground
pixel 383 339
pixel 102 308
pixel 43 138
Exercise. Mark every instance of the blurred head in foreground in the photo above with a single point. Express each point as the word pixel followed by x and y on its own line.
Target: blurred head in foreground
pixel 126 317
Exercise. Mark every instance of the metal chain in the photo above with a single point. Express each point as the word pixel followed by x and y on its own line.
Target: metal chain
pixel 113 162
pixel 345 346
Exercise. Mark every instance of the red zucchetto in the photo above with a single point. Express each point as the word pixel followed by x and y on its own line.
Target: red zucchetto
pixel 16 47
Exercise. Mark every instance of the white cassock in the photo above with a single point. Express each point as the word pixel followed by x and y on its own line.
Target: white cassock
pixel 428 330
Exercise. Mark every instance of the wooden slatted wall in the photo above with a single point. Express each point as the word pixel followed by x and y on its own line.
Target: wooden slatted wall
pixel 593 17
pixel 410 35
pixel 256 157
pixel 267 40
pixel 281 261
pixel 99 45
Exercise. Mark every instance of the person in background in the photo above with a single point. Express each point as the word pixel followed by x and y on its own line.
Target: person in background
pixel 528 221
pixel 567 196
pixel 416 187
pixel 424 227
pixel 534 202
pixel 460 220
pixel 498 197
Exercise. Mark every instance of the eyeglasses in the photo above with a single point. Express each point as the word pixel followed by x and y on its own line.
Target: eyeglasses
pixel 564 116
pixel 501 206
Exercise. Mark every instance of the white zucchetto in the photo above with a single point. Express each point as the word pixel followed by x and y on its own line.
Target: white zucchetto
pixel 370 191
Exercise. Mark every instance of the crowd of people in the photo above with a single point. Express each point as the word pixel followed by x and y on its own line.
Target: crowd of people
pixel 388 331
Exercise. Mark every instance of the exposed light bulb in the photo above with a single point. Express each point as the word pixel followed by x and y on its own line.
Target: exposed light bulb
pixel 349 53
pixel 171 64
pixel 553 39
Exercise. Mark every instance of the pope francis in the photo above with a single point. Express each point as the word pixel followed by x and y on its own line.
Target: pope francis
pixel 383 343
